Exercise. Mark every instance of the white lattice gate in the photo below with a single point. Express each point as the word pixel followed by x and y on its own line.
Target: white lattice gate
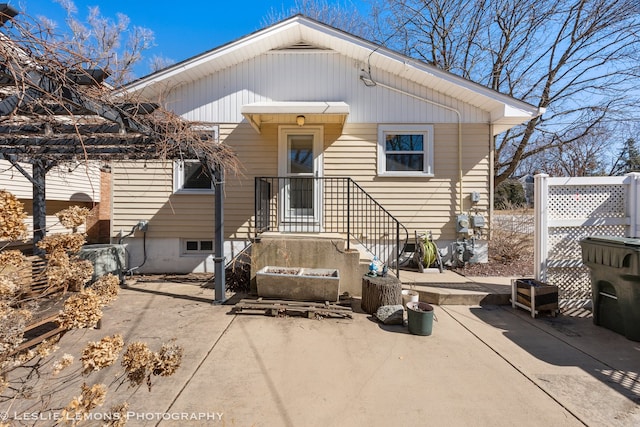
pixel 570 209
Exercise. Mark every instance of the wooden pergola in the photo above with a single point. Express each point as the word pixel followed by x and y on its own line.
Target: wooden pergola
pixel 53 111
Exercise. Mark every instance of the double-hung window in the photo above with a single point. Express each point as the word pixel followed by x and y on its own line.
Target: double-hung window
pixel 405 150
pixel 190 177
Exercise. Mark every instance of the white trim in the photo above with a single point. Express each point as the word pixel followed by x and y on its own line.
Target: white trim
pixel 633 204
pixel 318 145
pixel 591 180
pixel 426 130
pixel 178 180
pixel 317 109
pixel 318 168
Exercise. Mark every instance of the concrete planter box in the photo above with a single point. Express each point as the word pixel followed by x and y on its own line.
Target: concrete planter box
pixel 297 283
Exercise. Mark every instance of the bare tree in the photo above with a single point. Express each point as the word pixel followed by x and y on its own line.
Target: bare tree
pixel 578 59
pixel 113 45
pixel 582 155
pixel 628 159
pixel 344 16
pixel 158 62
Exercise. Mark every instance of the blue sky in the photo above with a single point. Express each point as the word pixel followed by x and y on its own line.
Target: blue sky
pixel 182 29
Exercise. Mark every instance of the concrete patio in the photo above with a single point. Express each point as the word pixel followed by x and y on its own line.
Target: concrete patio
pixel 484 365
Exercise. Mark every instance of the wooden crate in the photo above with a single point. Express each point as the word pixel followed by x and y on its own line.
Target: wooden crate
pixel 534 296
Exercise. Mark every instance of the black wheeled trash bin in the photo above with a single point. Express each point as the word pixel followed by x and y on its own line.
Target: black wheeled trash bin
pixel 615 282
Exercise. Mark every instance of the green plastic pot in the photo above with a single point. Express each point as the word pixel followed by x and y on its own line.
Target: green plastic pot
pixel 420 318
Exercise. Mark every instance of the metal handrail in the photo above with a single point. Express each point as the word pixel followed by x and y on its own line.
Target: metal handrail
pixel 291 204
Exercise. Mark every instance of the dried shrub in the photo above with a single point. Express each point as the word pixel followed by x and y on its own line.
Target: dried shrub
pixel 140 363
pixel 512 240
pixel 80 273
pixel 65 361
pixel 82 310
pixel 238 273
pixel 46 347
pixel 8 288
pixel 13 266
pixel 117 416
pixel 136 360
pixel 12 324
pixel 168 360
pixel 54 244
pixel 12 258
pixel 73 217
pixel 107 288
pixel 4 384
pixel 67 271
pixel 100 354
pixel 12 216
pixel 90 398
pixel 58 270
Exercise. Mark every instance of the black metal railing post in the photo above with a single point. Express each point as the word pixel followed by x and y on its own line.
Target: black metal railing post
pixel 348 201
pixel 398 246
pixel 256 204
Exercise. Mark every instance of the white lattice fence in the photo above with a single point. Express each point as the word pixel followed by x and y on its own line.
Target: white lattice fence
pixel 570 209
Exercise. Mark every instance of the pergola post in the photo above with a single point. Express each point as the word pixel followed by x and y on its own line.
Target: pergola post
pixel 219 258
pixel 48 116
pixel 38 174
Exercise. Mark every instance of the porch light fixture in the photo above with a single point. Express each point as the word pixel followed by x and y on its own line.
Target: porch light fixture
pixel 300 120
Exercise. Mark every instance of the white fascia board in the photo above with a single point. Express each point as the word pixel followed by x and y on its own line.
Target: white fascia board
pixel 510 114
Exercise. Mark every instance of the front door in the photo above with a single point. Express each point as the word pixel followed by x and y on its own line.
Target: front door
pixel 300 164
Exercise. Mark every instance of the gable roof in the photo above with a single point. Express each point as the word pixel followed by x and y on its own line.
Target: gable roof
pixel 301 32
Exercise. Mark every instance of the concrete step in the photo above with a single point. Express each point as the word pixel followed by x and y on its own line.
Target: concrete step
pixel 450 288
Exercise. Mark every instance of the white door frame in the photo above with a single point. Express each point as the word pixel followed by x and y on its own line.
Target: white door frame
pixel 317 132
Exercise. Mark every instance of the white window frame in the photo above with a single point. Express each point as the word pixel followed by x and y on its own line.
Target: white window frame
pixel 199 251
pixel 178 180
pixel 425 130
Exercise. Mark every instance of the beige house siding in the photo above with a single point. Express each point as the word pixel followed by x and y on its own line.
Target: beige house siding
pixel 66 185
pixel 418 203
pixel 145 191
pixel 258 154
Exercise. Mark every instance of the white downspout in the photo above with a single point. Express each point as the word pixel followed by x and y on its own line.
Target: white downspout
pixel 459 119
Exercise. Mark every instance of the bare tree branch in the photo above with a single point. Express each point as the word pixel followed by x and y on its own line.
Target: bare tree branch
pixel 566 56
pixel 52 108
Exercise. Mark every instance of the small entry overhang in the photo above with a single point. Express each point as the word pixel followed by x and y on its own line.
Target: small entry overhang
pixel 277 112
